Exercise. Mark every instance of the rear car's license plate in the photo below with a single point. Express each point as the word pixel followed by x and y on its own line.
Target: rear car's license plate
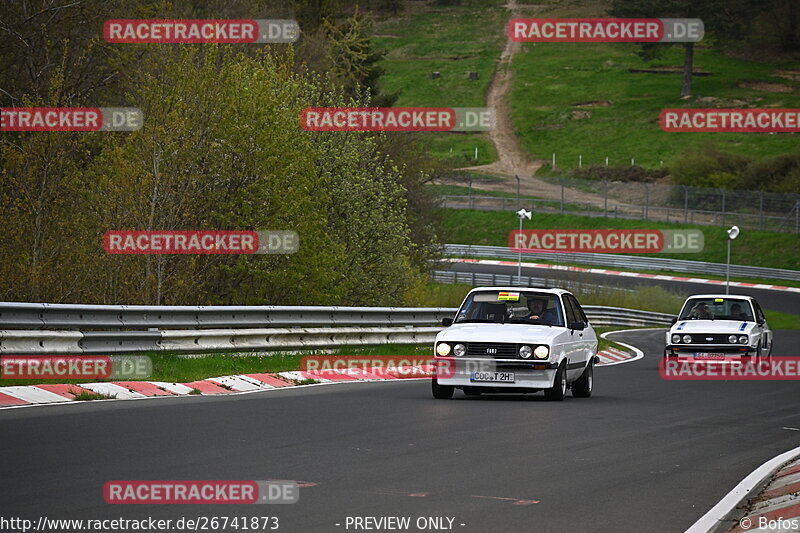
pixel 711 356
pixel 497 377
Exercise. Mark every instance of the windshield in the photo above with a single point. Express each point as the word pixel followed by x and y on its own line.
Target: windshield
pixel 516 307
pixel 717 309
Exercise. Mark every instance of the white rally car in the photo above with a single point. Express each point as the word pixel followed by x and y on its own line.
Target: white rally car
pixel 719 327
pixel 512 339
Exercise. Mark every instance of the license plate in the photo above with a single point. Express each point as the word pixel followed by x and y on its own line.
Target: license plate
pixel 711 356
pixel 497 377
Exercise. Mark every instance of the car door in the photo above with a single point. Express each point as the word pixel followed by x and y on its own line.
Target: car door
pixel 573 344
pixel 762 327
pixel 589 348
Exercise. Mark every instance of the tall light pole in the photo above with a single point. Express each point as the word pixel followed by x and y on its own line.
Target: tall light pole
pixel 732 234
pixel 522 214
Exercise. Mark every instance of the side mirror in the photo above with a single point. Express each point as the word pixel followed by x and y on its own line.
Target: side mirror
pixel 580 326
pixel 761 322
pixel 447 322
pixel 673 321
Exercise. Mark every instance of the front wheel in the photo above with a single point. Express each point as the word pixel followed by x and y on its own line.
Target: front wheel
pixel 558 391
pixel 582 388
pixel 441 392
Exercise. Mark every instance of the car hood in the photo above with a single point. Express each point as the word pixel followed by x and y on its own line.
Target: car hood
pixel 712 326
pixel 516 333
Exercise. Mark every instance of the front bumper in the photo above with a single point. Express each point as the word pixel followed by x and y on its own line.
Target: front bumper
pixel 689 352
pixel 457 372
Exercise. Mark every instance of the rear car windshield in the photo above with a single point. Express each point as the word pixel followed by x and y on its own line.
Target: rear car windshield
pixel 717 309
pixel 517 307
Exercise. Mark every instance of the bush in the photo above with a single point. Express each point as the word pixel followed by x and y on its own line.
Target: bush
pixel 618 173
pixel 705 166
pixel 776 174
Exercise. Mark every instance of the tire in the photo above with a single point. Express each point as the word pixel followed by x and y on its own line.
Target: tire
pixel 469 391
pixel 558 391
pixel 441 392
pixel 582 387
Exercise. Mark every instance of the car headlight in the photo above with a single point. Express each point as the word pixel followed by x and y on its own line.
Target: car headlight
pixel 676 339
pixel 459 350
pixel 443 349
pixel 541 352
pixel 732 338
pixel 525 351
pixel 687 339
pixel 743 339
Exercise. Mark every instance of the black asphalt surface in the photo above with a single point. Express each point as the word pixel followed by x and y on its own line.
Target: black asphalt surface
pixel 642 454
pixel 787 302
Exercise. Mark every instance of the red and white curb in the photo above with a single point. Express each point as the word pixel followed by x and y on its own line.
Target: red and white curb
pixel 29 395
pixel 629 274
pixel 615 356
pixel 775 508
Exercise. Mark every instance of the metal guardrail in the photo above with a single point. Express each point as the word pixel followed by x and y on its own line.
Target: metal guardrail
pixel 50 316
pixel 478 279
pixel 421 328
pixel 624 261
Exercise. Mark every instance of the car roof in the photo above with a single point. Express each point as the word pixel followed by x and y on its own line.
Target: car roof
pixel 739 296
pixel 520 289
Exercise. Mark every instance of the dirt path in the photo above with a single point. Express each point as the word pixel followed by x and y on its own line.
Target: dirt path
pixel 512 159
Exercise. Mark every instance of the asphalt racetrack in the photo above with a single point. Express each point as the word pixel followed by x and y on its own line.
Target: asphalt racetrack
pixel 642 454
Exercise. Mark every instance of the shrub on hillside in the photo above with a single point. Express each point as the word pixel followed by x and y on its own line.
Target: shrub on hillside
pixel 618 173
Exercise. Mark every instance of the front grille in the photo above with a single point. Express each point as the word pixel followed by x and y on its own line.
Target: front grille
pixel 716 338
pixel 502 350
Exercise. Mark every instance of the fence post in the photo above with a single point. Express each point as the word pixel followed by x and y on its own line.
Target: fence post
pixel 646 199
pixel 723 206
pixel 685 204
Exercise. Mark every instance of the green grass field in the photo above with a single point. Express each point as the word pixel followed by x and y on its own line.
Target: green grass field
pixel 768 249
pixel 575 98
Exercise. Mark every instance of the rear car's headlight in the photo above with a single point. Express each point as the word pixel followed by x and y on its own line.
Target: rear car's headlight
pixel 443 349
pixel 743 339
pixel 732 338
pixel 676 339
pixel 541 352
pixel 687 339
pixel 525 351
pixel 459 350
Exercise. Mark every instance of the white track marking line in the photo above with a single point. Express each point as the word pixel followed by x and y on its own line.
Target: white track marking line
pixel 712 518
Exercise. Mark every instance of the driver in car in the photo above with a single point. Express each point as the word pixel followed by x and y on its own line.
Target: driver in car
pixel 736 313
pixel 702 311
pixel 537 307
